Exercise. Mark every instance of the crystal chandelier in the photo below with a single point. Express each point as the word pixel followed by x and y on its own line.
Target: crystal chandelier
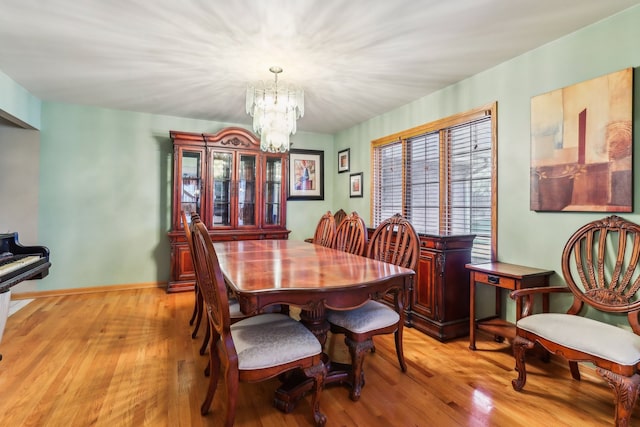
pixel 275 107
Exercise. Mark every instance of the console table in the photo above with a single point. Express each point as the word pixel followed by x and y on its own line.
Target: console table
pixel 502 276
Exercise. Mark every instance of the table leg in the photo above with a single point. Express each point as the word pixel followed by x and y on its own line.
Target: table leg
pixel 296 385
pixel 316 321
pixel 472 313
pixel 498 305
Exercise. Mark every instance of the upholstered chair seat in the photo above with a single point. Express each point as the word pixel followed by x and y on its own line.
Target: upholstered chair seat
pixel 586 335
pixel 271 340
pixel 371 316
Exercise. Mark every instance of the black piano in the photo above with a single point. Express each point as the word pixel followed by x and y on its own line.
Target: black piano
pixel 18 263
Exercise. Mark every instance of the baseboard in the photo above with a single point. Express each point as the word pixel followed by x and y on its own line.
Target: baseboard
pixel 89 290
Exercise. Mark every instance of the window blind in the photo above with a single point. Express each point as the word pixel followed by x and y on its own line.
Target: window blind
pixel 387 188
pixel 423 182
pixel 469 168
pixel 440 176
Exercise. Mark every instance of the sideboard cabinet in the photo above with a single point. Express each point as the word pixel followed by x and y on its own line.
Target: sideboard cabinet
pixel 439 301
pixel 237 190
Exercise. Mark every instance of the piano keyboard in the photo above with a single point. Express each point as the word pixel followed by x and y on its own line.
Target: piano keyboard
pixel 16 264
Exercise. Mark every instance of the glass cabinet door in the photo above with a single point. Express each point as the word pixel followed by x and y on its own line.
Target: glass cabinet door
pixel 221 172
pixel 273 191
pixel 247 190
pixel 191 182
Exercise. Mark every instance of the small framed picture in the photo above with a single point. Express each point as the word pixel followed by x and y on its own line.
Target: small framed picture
pixel 343 160
pixel 355 185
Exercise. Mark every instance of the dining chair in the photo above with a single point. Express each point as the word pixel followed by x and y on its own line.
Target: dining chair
pixel 254 349
pixel 196 316
pixel 600 267
pixel 394 241
pixel 351 235
pixel 325 230
pixel 198 309
pixel 339 216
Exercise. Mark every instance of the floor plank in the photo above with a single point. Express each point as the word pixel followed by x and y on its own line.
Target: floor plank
pixel 126 358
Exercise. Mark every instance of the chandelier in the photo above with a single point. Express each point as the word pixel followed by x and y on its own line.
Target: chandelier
pixel 275 107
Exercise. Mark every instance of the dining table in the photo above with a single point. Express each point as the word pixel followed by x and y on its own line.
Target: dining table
pixel 314 278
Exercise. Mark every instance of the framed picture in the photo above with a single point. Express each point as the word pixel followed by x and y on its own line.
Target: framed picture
pixel 355 185
pixel 306 175
pixel 581 146
pixel 343 160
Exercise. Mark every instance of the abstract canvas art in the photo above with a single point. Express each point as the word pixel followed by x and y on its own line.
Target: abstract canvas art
pixel 581 146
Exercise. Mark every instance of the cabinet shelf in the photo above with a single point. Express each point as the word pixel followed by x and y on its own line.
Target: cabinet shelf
pixel 499 328
pixel 235 202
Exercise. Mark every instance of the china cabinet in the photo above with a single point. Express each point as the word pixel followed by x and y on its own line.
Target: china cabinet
pixel 237 190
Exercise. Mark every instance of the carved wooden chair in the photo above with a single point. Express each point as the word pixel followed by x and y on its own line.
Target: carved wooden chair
pixel 198 309
pixel 196 316
pixel 235 313
pixel 339 216
pixel 600 267
pixel 325 230
pixel 256 348
pixel 394 241
pixel 351 235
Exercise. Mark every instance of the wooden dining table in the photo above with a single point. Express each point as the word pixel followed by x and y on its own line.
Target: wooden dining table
pixel 262 273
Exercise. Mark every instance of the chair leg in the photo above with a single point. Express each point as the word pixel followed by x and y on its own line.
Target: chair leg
pixel 357 351
pixel 205 341
pixel 213 338
pixel 214 366
pixel 231 380
pixel 575 371
pixel 520 346
pixel 200 303
pixel 625 390
pixel 400 350
pixel 318 373
pixel 196 308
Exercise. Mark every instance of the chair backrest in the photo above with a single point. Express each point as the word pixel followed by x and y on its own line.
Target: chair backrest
pixel 211 281
pixel 395 241
pixel 325 230
pixel 351 235
pixel 600 263
pixel 187 230
pixel 189 237
pixel 339 216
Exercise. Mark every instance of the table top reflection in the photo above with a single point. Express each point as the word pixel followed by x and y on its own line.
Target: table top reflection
pixel 294 269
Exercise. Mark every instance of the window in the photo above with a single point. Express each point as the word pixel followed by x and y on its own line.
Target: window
pixel 441 176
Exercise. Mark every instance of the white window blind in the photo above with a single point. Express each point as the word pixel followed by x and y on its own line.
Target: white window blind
pixel 423 182
pixel 468 202
pixel 441 178
pixel 387 172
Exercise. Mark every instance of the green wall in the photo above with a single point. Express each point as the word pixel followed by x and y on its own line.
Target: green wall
pixel 524 237
pixel 105 175
pixel 105 194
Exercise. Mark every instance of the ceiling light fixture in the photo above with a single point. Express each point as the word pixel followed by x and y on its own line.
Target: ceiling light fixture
pixel 275 107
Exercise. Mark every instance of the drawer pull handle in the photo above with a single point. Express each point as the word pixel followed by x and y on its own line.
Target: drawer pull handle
pixel 494 280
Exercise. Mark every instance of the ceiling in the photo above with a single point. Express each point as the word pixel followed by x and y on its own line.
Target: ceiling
pixel 355 59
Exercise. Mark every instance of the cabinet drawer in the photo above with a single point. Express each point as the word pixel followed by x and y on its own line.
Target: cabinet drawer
pixel 494 280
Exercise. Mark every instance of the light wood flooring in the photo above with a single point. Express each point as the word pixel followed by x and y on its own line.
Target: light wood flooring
pixel 126 358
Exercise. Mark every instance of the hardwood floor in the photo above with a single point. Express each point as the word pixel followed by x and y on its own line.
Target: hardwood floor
pixel 126 358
